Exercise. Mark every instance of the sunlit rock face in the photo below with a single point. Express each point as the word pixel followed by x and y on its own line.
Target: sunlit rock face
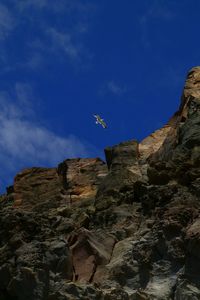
pixel 81 178
pixel 72 181
pixel 180 152
pixel 36 186
pixel 125 229
pixel 160 144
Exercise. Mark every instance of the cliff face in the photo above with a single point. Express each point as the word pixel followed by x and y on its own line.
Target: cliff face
pixel 128 229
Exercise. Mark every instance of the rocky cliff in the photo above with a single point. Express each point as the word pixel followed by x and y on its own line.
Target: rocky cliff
pixel 125 229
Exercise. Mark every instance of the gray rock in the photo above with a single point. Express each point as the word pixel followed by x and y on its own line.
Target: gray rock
pixel 187 291
pixel 128 230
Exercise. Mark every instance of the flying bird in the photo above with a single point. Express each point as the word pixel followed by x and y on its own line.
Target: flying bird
pixel 100 121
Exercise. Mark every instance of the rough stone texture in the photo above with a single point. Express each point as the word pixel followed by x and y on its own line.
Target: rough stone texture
pixel 154 141
pixel 128 230
pixel 35 186
pixel 123 155
pixel 94 249
pixel 81 178
pixel 124 171
pixel 73 180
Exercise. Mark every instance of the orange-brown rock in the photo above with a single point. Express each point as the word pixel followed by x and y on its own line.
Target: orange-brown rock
pixel 73 180
pixel 81 177
pixel 89 251
pixel 160 144
pixel 154 141
pixel 35 186
pixel 130 232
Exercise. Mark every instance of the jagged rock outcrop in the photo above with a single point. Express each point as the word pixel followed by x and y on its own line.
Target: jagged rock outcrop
pixel 128 229
pixel 72 181
pixel 37 186
pixel 124 171
pixel 81 178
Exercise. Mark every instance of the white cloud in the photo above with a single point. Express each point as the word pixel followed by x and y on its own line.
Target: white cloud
pixel 7 22
pixel 64 46
pixel 27 143
pixel 63 41
pixel 157 10
pixel 59 6
pixel 24 93
pixel 35 61
pixel 47 43
pixel 24 142
pixel 114 88
pixel 21 4
pixel 52 5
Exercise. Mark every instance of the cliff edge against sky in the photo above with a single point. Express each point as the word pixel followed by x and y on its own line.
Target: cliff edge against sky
pixel 125 229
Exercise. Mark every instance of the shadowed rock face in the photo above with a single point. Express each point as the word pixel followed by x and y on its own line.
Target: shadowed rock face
pixel 124 171
pixel 123 155
pixel 126 230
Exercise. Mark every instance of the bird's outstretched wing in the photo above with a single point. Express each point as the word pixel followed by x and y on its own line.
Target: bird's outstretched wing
pixel 103 124
pixel 97 117
pixel 100 121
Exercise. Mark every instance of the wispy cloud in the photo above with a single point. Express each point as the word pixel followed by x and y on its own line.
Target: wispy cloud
pixel 61 6
pixel 27 143
pixel 24 142
pixel 115 88
pixel 63 41
pixel 31 3
pixel 112 87
pixel 35 61
pixel 49 41
pixel 157 10
pixel 7 22
pixel 65 46
pixel 24 94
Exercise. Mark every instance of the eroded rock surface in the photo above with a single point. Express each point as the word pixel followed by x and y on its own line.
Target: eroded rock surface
pixel 128 229
pixel 72 181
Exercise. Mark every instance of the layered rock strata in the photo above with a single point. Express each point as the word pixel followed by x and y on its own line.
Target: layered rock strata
pixel 127 229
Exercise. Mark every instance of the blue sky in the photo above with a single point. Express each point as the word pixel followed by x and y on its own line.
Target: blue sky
pixel 63 60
